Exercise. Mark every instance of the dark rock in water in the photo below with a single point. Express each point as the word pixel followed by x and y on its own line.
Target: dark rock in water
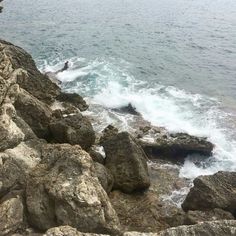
pixel 213 191
pixel 104 176
pixel 74 99
pixel 28 76
pixel 177 147
pixel 129 109
pixel 63 190
pixel 73 129
pixel 126 161
pixel 1 8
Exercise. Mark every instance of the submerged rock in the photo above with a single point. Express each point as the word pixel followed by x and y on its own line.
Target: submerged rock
pixel 213 191
pixel 64 190
pixel 126 161
pixel 129 109
pixel 177 146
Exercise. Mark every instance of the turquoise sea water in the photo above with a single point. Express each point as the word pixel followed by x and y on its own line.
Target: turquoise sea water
pixel 175 60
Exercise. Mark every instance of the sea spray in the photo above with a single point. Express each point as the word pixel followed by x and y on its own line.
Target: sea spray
pixel 110 85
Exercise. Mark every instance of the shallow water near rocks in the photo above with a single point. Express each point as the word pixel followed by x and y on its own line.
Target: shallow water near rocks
pixel 174 60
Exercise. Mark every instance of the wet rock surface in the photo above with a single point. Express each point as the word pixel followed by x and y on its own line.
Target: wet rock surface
pixel 176 147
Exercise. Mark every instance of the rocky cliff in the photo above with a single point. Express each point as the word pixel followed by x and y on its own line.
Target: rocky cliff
pixel 53 182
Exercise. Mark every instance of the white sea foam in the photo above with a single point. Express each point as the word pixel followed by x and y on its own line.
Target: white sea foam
pixel 111 86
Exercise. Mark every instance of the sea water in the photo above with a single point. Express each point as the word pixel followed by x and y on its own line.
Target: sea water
pixel 174 60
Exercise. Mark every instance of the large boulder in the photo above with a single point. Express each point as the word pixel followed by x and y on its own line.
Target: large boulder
pixel 11 216
pixel 176 146
pixel 34 112
pixel 126 161
pixel 213 191
pixel 64 190
pixel 14 58
pixel 73 129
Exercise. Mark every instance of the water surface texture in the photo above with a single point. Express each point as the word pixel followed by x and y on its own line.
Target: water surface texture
pixel 174 60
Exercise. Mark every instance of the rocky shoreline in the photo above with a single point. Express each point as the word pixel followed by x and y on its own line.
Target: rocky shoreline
pixel 53 182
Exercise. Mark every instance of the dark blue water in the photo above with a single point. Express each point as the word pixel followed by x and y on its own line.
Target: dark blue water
pixel 175 60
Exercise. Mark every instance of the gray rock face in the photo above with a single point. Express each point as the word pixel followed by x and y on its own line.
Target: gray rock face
pixel 28 76
pixel 64 190
pixel 213 191
pixel 11 216
pixel 34 112
pixel 127 162
pixel 15 164
pixel 10 134
pixel 177 146
pixel 73 129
